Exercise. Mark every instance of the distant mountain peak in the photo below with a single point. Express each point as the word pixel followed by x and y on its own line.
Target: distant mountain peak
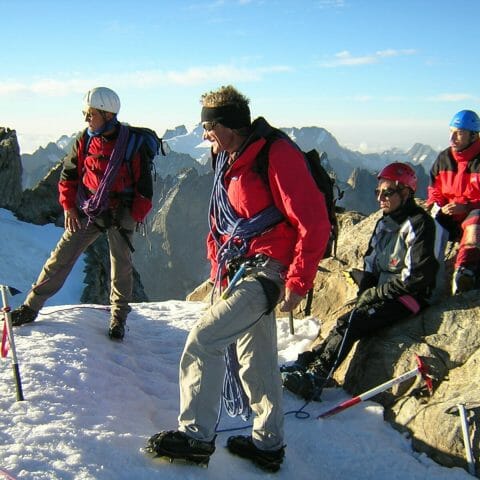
pixel 175 132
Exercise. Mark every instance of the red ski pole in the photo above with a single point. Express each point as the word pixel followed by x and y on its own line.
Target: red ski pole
pixel 420 369
pixel 9 334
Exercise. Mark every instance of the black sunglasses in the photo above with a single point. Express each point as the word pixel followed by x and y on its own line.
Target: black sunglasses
pixel 386 192
pixel 208 126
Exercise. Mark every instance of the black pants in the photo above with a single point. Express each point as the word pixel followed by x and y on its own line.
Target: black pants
pixel 363 322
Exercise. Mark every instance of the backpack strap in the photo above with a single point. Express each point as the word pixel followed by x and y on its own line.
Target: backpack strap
pixel 140 139
pixel 262 160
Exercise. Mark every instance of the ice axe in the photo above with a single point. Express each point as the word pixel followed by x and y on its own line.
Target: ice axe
pixel 290 323
pixel 8 335
pixel 421 369
pixel 460 407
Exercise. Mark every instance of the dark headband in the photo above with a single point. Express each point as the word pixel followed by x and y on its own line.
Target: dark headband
pixel 231 116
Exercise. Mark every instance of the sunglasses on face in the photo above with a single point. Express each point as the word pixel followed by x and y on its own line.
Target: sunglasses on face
pixel 208 126
pixel 386 192
pixel 89 115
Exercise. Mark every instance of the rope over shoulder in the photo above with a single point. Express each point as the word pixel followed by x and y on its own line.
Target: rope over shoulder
pixel 238 232
pixel 98 202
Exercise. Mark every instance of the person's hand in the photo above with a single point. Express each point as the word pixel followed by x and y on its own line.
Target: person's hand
pixel 455 209
pixel 290 301
pixel 367 297
pixel 72 220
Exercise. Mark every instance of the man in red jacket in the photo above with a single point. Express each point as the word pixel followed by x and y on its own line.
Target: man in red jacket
pixel 275 230
pixel 454 196
pixel 101 190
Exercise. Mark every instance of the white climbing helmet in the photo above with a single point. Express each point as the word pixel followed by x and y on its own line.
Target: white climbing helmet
pixel 102 98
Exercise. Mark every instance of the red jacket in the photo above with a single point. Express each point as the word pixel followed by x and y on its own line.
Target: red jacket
pixel 299 241
pixel 89 167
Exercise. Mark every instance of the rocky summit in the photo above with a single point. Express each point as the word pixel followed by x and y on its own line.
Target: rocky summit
pixel 446 336
pixel 10 169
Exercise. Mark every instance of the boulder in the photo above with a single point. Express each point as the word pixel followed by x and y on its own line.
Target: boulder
pixel 10 169
pixel 172 259
pixel 39 205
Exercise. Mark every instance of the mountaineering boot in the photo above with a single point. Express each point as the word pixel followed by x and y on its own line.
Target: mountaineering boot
pixel 116 330
pixel 321 374
pixel 244 447
pixel 463 280
pixel 301 383
pixel 293 367
pixel 23 314
pixel 302 363
pixel 177 445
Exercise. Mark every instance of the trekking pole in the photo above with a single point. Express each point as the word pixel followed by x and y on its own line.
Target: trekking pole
pixel 420 369
pixel 290 323
pixel 9 334
pixel 460 407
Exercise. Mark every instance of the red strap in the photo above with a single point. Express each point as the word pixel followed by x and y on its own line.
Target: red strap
pixel 6 475
pixel 4 349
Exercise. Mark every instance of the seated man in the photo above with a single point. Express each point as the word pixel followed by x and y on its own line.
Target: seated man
pixel 454 195
pixel 400 268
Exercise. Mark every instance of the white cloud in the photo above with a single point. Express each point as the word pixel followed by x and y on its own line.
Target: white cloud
pixel 142 79
pixel 395 53
pixel 330 3
pixel 346 59
pixel 362 98
pixel 452 97
pixel 46 86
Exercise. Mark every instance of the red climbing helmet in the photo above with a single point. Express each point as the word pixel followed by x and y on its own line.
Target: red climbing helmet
pixel 400 173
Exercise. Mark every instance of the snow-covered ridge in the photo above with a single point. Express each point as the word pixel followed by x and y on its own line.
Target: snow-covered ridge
pixel 91 404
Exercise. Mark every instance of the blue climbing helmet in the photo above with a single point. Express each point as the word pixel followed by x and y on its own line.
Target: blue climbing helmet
pixel 466 120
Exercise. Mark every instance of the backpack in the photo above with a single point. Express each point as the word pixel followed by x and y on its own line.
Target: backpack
pixel 141 139
pixel 324 181
pixel 147 142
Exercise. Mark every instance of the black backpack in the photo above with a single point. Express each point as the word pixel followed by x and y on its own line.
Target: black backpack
pixel 324 181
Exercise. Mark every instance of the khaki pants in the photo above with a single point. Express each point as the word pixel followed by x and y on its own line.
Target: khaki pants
pixel 71 245
pixel 239 319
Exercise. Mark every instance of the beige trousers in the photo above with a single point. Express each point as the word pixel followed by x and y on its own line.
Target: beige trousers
pixel 241 319
pixel 71 245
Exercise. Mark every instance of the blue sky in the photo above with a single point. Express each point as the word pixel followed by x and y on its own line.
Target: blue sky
pixel 375 73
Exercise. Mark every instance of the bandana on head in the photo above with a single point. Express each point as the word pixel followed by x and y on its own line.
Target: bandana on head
pixel 231 116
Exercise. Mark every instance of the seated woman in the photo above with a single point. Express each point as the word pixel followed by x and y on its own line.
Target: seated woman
pixel 400 268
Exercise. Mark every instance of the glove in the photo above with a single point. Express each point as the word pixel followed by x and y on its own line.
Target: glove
pixel 368 297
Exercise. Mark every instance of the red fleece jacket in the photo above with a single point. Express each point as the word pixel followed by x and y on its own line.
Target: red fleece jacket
pixel 299 241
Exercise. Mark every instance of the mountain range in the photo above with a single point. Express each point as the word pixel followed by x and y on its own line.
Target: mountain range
pixel 190 151
pixel 180 202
